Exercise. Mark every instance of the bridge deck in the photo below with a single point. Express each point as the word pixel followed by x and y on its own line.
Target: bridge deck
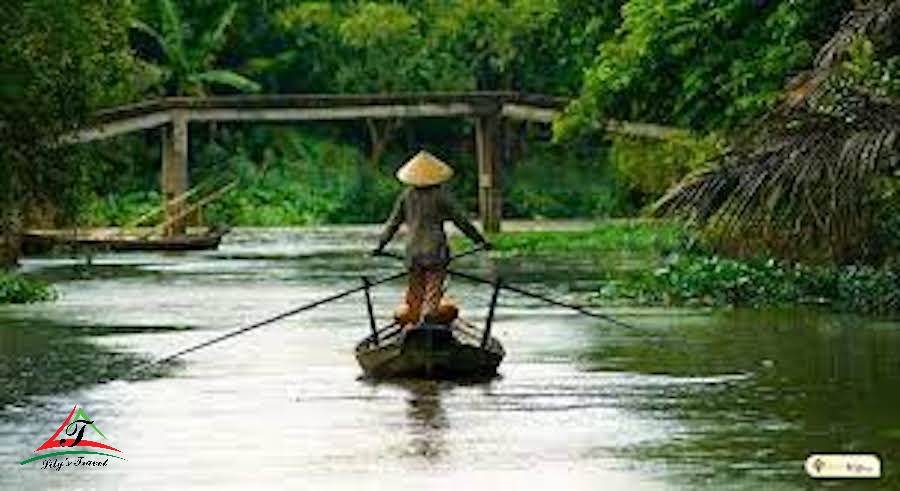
pixel 320 107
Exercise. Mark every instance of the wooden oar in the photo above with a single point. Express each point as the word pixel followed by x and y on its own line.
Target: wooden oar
pixel 295 311
pixel 578 308
pixel 283 315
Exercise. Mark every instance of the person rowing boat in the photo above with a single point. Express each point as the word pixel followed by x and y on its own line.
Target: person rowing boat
pixel 424 206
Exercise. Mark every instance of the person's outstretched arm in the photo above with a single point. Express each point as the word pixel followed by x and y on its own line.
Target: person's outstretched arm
pixel 458 217
pixel 393 222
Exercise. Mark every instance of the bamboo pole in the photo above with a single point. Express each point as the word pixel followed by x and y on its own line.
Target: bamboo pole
pixel 177 200
pixel 190 209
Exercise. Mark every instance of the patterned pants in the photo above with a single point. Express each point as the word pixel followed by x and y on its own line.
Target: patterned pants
pixel 425 290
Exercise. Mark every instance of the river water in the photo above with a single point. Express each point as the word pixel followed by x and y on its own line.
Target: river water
pixel 696 399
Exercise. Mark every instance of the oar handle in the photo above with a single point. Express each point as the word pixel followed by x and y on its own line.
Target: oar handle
pixel 454 257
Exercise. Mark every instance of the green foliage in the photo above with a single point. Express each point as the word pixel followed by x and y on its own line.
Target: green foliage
pixel 611 235
pixel 364 47
pixel 711 280
pixel 490 37
pixel 690 275
pixel 299 178
pixel 887 231
pixel 877 73
pixel 306 180
pixel 554 54
pixel 652 167
pixel 119 209
pixel 695 63
pixel 16 288
pixel 186 65
pixel 700 64
pixel 582 185
pixel 59 60
pixel 535 45
pixel 815 180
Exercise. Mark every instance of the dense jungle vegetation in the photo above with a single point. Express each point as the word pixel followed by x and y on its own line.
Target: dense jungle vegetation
pixel 787 144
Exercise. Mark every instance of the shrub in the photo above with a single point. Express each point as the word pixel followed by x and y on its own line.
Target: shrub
pixel 309 180
pixel 650 167
pixel 553 182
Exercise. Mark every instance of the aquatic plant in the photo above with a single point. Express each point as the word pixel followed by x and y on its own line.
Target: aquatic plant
pixel 15 288
pixel 609 235
pixel 670 268
pixel 688 279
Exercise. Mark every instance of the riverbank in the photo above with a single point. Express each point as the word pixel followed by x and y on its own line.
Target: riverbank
pixel 639 262
pixel 668 268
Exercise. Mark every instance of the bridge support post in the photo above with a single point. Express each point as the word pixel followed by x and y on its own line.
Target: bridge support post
pixel 487 137
pixel 174 175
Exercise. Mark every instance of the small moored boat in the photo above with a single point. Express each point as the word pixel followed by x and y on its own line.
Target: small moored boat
pixel 42 241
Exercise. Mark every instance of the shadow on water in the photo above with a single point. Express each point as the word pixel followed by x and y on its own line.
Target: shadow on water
pixel 47 358
pixel 72 271
pixel 804 382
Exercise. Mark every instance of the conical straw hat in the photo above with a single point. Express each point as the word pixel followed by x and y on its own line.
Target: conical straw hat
pixel 424 170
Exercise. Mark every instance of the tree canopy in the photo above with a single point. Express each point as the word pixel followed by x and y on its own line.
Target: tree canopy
pixel 59 61
pixel 712 67
pixel 701 64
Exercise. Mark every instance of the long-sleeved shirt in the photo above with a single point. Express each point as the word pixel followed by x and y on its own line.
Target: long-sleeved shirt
pixel 424 210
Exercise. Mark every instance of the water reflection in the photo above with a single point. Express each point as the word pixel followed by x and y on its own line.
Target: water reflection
pixel 427 419
pixel 813 382
pixel 42 357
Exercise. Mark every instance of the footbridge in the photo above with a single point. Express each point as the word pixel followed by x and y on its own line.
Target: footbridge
pixel 487 109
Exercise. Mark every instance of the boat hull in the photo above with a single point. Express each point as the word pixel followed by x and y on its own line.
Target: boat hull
pixel 430 351
pixel 40 242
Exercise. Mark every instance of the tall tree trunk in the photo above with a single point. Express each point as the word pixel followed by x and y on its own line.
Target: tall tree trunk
pixel 380 138
pixel 10 238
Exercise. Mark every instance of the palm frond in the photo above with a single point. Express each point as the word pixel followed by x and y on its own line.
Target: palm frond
pixel 873 20
pixel 228 78
pixel 173 31
pixel 160 40
pixel 808 177
pixel 214 40
pixel 802 175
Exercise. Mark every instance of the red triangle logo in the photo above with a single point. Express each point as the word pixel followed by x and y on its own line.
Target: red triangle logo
pixel 75 433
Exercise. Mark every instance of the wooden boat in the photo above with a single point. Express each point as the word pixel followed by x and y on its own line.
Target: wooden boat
pixel 42 241
pixel 431 351
pixel 456 350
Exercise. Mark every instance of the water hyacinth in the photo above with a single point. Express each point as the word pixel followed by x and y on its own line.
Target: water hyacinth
pixel 687 279
pixel 20 289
